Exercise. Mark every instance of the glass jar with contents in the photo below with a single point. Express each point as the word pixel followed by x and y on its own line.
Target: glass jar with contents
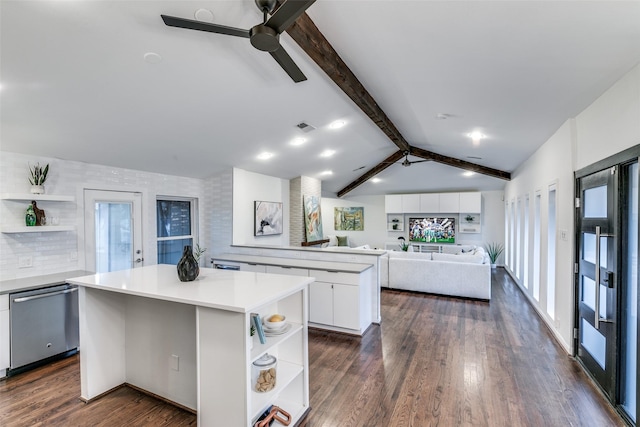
pixel 263 373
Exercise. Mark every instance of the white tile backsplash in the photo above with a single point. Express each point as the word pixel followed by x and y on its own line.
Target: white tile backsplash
pixel 51 251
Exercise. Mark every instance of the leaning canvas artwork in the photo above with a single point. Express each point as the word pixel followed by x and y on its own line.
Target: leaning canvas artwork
pixel 312 218
pixel 348 219
pixel 268 218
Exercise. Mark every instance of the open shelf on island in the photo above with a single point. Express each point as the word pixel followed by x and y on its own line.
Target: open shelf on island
pixel 36 229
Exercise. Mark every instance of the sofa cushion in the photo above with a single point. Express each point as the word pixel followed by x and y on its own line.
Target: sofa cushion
pixel 471 259
pixel 410 255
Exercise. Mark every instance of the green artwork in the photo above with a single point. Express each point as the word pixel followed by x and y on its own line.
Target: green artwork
pixel 348 219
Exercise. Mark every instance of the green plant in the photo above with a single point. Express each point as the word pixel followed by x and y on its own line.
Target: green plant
pixel 198 251
pixel 403 245
pixel 469 218
pixel 38 174
pixel 494 250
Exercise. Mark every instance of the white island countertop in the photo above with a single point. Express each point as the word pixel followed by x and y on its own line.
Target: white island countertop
pixel 237 291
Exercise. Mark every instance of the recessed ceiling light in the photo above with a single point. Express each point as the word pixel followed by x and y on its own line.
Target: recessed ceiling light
pixel 337 124
pixel 298 141
pixel 442 116
pixel 326 173
pixel 375 180
pixel 476 137
pixel 327 153
pixel 474 157
pixel 265 155
pixel 468 173
pixel 204 15
pixel 152 57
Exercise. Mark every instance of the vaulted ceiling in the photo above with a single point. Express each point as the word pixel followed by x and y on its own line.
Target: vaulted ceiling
pixel 75 84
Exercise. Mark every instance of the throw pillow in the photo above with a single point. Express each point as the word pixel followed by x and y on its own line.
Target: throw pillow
pixel 343 240
pixel 332 241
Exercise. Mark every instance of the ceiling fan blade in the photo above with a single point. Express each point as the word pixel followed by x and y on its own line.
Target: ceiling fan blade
pixel 419 161
pixel 287 64
pixel 286 14
pixel 190 24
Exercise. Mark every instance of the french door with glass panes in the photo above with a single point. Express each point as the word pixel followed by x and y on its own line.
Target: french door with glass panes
pixel 607 281
pixel 113 230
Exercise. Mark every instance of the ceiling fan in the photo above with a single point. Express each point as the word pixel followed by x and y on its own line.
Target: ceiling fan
pixel 406 162
pixel 265 36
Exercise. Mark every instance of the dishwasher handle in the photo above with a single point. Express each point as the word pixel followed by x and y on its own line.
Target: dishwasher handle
pixel 50 294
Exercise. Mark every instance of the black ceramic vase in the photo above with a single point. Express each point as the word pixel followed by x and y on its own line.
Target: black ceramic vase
pixel 188 268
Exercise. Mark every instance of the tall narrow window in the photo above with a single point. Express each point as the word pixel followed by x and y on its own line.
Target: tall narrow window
pixel 536 248
pixel 551 253
pixel 630 294
pixel 176 228
pixel 518 237
pixel 512 237
pixel 507 227
pixel 525 244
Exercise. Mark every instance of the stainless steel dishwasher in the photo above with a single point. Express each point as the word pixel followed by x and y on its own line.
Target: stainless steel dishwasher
pixel 44 324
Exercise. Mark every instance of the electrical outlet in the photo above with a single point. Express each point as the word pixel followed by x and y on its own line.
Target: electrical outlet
pixel 174 362
pixel 25 261
pixel 564 235
pixel 73 256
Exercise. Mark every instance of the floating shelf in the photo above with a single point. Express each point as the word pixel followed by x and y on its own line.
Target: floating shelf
pixel 38 197
pixel 36 229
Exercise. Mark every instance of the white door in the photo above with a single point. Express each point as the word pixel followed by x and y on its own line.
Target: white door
pixel 321 303
pixel 113 230
pixel 346 303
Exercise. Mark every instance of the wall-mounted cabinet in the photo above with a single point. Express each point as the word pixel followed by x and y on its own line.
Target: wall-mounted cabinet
pixel 433 203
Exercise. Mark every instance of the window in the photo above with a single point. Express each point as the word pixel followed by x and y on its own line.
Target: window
pixel 536 248
pixel 518 239
pixel 525 235
pixel 551 254
pixel 176 227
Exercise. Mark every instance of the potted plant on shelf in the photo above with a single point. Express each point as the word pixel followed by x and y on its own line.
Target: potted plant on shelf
pixel 403 245
pixel 469 218
pixel 38 175
pixel 493 251
pixel 395 222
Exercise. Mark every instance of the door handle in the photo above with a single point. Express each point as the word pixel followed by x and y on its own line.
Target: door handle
pixel 139 260
pixel 50 294
pixel 608 281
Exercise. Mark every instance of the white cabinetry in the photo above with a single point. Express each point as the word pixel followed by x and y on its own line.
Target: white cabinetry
pixel 429 202
pixel 471 202
pixel 4 334
pixel 410 203
pixel 291 271
pixel 393 203
pixel 449 202
pixel 339 300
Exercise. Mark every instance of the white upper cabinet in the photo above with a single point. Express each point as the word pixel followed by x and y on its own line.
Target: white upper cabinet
pixel 411 203
pixel 430 202
pixel 393 203
pixel 449 202
pixel 471 202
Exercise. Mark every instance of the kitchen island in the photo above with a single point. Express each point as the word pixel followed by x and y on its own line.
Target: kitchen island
pixel 189 342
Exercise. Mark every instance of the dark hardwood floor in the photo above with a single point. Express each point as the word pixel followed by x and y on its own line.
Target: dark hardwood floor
pixel 434 361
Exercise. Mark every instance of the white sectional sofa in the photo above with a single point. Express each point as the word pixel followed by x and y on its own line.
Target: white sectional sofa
pixel 456 273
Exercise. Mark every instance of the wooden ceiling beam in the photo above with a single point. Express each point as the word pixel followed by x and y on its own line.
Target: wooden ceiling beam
pixel 313 42
pixel 304 32
pixel 457 163
pixel 372 172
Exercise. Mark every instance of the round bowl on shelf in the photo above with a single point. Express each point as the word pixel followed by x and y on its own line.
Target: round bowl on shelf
pixel 274 321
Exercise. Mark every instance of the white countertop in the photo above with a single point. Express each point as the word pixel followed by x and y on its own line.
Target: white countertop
pixel 344 267
pixel 27 283
pixel 238 291
pixel 339 249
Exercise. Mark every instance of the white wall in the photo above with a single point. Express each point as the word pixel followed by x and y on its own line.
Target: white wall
pixel 609 125
pixel 247 188
pixel 52 252
pixel 375 231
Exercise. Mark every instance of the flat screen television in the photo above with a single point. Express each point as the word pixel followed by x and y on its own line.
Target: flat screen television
pixel 432 230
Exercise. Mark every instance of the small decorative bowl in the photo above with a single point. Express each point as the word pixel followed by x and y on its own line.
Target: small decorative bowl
pixel 274 323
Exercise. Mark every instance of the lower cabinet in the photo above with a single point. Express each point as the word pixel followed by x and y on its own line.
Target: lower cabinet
pixel 334 304
pixel 340 300
pixel 4 334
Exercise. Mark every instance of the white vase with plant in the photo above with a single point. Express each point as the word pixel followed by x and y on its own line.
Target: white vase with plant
pixel 38 175
pixel 403 245
pixel 493 251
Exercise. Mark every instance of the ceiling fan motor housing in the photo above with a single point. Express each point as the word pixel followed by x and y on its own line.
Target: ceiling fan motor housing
pixel 264 38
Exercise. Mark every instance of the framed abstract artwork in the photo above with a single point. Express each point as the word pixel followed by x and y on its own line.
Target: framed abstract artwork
pixel 312 218
pixel 268 218
pixel 348 219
